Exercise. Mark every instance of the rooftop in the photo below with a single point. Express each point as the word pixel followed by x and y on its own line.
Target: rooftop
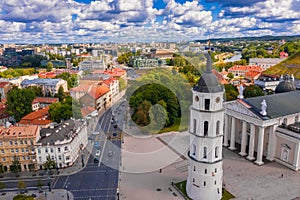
pixel 18 131
pixel 48 100
pixel 41 81
pixel 39 117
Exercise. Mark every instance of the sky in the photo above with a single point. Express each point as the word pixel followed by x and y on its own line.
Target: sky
pixel 93 21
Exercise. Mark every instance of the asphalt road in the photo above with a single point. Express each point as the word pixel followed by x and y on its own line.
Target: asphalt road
pixel 98 180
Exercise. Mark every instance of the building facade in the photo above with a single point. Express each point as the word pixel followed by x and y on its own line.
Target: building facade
pixel 63 143
pixel 18 142
pixel 205 171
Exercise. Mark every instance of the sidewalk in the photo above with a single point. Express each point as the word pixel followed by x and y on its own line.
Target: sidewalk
pixel 57 194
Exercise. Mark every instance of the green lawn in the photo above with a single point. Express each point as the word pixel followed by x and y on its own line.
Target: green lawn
pixel 181 124
pixel 182 186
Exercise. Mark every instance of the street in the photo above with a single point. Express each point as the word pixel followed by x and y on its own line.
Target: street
pixel 98 180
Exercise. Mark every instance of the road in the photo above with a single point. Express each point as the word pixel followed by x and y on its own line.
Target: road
pixel 98 180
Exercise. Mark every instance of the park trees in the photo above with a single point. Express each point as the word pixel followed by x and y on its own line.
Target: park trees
pixel 19 102
pixel 49 164
pixel 15 167
pixel 231 92
pixel 253 91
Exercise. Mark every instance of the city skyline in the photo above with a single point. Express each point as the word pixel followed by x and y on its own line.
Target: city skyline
pixel 85 21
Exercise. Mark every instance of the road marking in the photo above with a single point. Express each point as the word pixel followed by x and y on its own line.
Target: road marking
pixel 102 153
pixel 96 189
pixel 66 182
pixel 99 196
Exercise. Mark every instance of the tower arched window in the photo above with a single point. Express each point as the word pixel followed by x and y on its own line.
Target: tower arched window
pixel 206 104
pixel 216 152
pixel 194 149
pixel 218 128
pixel 205 128
pixel 194 126
pixel 205 152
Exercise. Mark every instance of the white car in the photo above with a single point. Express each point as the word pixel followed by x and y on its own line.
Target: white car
pixel 96 133
pixel 98 153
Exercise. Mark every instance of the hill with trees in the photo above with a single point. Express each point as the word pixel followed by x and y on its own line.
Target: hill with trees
pixel 289 66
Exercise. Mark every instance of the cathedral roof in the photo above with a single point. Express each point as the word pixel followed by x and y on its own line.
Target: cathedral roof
pixel 285 86
pixel 208 82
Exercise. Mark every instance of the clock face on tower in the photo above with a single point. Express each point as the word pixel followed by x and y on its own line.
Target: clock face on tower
pixel 217 99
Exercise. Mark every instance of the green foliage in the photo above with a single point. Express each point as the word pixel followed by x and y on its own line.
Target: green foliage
pixel 38 91
pixel 49 164
pixel 122 84
pixel 227 65
pixel 21 184
pixel 33 61
pixel 2 185
pixel 72 80
pixel 23 197
pixel 65 109
pixel 49 66
pixel 10 73
pixel 124 58
pixel 1 168
pixel 16 166
pixel 289 66
pixel 290 47
pixel 253 91
pixel 231 92
pixel 230 76
pixel 19 102
pixel 60 94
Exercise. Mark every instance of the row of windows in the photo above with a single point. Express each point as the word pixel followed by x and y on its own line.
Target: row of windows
pixel 205 170
pixel 21 142
pixel 19 158
pixel 16 150
pixel 205 151
pixel 204 184
pixel 51 150
pixel 205 127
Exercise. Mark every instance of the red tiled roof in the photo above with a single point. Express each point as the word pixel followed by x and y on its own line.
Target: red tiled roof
pixel 108 81
pixel 39 117
pixel 82 88
pixel 3 84
pixel 98 91
pixel 115 72
pixel 19 131
pixel 252 74
pixel 48 100
pixel 246 68
pixel 219 77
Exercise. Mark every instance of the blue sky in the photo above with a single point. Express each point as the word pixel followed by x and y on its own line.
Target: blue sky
pixel 79 21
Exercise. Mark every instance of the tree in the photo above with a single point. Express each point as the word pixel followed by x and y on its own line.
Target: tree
pixel 16 166
pixel 230 75
pixel 39 184
pixel 60 94
pixel 21 185
pixel 19 102
pixel 49 66
pixel 2 185
pixel 49 164
pixel 1 168
pixel 231 92
pixel 253 91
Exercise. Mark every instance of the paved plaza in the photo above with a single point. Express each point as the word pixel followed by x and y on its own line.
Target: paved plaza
pixel 242 178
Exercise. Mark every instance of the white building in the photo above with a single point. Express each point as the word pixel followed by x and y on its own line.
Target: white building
pixel 63 143
pixel 265 62
pixel 206 121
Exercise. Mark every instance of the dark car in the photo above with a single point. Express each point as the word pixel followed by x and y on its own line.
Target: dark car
pixel 33 195
pixel 96 160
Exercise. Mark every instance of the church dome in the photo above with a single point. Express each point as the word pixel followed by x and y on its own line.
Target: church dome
pixel 285 86
pixel 208 82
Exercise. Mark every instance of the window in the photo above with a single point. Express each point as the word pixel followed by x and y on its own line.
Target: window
pixel 16 142
pixel 59 157
pixel 10 142
pixel 17 150
pixel 205 152
pixel 215 182
pixel 194 168
pixel 12 150
pixel 206 104
pixel 31 142
pixel 46 150
pixel 218 128
pixel 205 171
pixel 21 141
pixel 51 150
pixel 3 159
pixel 25 141
pixel 215 170
pixel 218 190
pixel 204 183
pixel 205 128
pixel 52 157
pixel 58 150
pixel 23 158
pixel 68 158
pixel 284 123
pixel 2 150
pixel 216 152
pixel 285 154
pixel 296 118
pixel 39 151
pixel 26 149
pixel 40 159
pixel 0 143
pixel 193 180
pixel 194 149
pixel 195 126
pixel 66 148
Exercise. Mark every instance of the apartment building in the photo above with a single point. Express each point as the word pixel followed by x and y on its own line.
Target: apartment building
pixel 18 142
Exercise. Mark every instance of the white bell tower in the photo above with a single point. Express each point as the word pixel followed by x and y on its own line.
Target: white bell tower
pixel 205 171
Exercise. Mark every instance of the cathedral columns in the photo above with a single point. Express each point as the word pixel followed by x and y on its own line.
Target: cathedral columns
pixel 232 134
pixel 260 145
pixel 296 157
pixel 251 142
pixel 271 143
pixel 226 128
pixel 244 139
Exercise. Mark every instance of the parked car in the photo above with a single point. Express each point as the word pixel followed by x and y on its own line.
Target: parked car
pixel 98 153
pixel 96 160
pixel 110 153
pixel 96 133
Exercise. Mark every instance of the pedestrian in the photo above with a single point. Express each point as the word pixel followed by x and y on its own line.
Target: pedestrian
pixel 160 170
pixel 281 175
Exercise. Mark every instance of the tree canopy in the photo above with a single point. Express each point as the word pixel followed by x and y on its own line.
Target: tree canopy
pixel 49 164
pixel 231 92
pixel 19 102
pixel 253 91
pixel 72 80
pixel 65 109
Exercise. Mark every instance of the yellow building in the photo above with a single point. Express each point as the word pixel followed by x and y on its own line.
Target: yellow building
pixel 18 142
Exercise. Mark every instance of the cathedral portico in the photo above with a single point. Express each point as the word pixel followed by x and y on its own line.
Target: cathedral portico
pixel 260 145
